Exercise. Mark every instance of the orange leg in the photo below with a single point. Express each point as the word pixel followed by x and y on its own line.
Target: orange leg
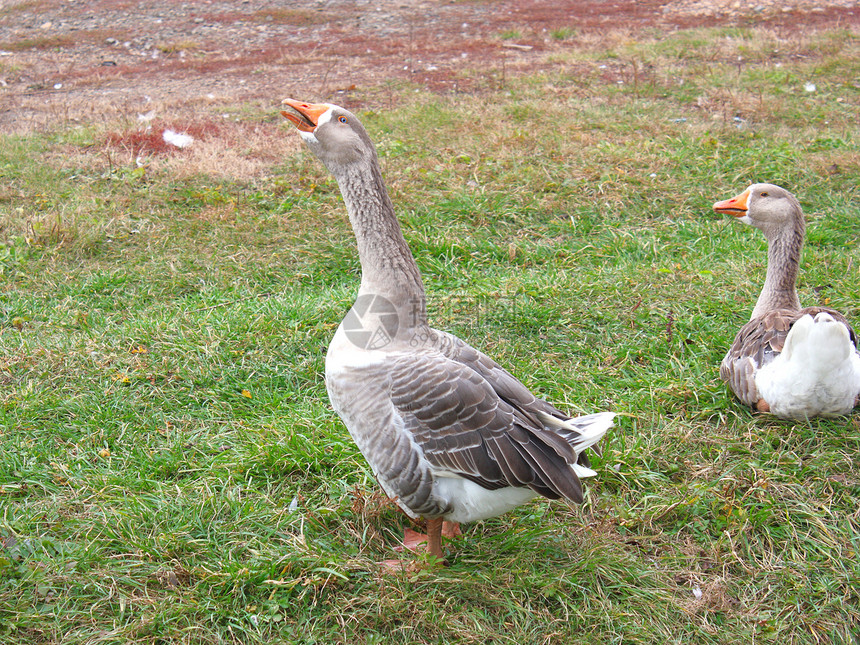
pixel 430 543
pixel 434 537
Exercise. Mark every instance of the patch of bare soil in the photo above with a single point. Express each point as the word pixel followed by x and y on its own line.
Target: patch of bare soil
pixel 67 61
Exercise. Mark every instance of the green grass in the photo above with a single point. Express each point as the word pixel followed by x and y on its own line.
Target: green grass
pixel 172 471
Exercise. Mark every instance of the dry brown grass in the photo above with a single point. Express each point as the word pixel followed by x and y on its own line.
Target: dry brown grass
pixel 216 158
pixel 177 46
pixel 53 40
pixel 20 7
pixel 222 150
pixel 836 162
pixel 291 16
pixel 243 153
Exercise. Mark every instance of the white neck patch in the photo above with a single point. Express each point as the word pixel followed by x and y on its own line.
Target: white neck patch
pixel 325 117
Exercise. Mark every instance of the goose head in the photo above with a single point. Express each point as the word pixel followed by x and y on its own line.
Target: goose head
pixel 769 208
pixel 334 134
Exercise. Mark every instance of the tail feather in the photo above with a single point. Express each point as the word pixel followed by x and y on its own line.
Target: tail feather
pixel 582 432
pixel 817 373
pixel 582 472
pixel 820 344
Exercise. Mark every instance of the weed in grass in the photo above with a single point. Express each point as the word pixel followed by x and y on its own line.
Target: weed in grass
pixel 42 42
pixel 175 47
pixel 563 33
pixel 511 34
pixel 55 41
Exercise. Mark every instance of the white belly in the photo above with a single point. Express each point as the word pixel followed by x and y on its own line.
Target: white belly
pixel 471 502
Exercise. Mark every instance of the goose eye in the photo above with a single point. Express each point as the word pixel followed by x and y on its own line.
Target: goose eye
pixel 342 119
pixel 764 194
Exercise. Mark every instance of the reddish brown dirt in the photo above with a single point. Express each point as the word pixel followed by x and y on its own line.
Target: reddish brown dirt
pixel 74 60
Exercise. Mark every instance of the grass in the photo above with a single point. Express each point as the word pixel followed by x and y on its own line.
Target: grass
pixel 172 471
pixel 53 41
pixel 562 33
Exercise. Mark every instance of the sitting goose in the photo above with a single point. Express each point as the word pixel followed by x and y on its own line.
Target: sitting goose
pixel 449 434
pixel 795 363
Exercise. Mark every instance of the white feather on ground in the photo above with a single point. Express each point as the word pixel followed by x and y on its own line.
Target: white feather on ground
pixel 177 139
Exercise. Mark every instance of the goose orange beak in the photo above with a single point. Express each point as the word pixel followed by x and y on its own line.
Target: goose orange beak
pixel 736 206
pixel 305 116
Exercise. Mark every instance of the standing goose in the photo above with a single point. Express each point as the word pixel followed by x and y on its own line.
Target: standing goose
pixel 795 363
pixel 449 434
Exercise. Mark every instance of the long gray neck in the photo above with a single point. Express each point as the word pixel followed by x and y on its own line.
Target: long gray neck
pixel 783 261
pixel 387 266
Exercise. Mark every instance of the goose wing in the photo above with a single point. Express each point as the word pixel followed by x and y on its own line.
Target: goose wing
pixel 472 418
pixel 513 392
